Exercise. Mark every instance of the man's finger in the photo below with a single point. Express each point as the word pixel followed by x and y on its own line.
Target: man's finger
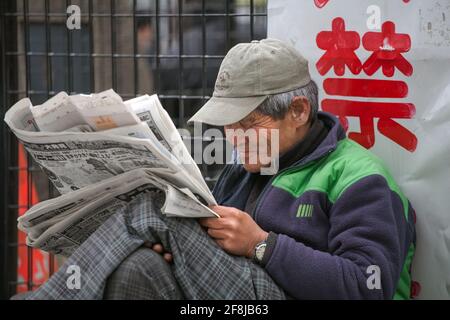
pixel 205 222
pixel 222 211
pixel 217 233
pixel 212 223
pixel 168 257
pixel 221 243
pixel 158 248
pixel 148 245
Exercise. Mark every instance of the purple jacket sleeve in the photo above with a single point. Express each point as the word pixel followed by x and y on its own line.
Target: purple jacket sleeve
pixel 367 228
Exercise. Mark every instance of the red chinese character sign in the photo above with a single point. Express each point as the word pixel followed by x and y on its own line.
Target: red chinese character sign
pixel 387 46
pixel 383 68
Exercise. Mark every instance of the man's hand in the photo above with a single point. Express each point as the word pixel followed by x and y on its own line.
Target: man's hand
pixel 235 231
pixel 158 248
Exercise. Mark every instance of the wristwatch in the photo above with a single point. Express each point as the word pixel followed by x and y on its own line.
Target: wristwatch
pixel 260 249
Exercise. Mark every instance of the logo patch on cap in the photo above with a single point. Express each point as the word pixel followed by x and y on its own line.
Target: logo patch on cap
pixel 222 81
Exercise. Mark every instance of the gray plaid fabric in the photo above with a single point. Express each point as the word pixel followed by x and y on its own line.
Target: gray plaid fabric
pixel 144 275
pixel 201 269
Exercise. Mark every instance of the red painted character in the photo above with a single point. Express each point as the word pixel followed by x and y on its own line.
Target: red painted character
pixel 387 47
pixel 340 46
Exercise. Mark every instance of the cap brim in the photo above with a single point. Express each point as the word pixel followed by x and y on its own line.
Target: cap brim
pixel 224 111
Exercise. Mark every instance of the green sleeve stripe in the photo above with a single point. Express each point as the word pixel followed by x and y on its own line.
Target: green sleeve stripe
pixel 403 291
pixel 335 173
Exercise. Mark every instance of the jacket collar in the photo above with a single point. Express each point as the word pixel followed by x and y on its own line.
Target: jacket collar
pixel 336 133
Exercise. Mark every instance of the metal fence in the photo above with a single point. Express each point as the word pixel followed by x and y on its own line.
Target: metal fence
pixel 170 47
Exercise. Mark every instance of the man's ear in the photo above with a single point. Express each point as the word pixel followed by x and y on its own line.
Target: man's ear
pixel 300 110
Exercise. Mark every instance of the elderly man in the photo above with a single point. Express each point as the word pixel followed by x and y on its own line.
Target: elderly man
pixel 330 224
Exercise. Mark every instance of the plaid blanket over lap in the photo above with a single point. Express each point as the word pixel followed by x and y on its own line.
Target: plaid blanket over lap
pixel 201 268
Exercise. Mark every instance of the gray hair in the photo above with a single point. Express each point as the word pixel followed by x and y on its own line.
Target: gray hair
pixel 277 105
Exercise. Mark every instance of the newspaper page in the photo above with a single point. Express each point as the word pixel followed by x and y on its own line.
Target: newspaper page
pixel 64 237
pixel 106 110
pixel 50 212
pixel 70 219
pixel 100 153
pixel 73 160
pixel 101 111
pixel 183 203
pixel 57 114
pixel 142 106
pixel 150 110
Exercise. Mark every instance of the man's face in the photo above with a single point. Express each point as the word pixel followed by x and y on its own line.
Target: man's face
pixel 260 138
pixel 252 137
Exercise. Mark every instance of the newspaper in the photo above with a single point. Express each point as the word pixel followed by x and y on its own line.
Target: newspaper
pixel 100 152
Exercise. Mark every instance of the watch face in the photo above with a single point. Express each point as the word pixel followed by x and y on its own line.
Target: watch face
pixel 260 251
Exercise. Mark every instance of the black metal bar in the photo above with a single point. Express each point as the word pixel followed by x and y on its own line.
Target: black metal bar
pixel 180 65
pixel 3 165
pixel 69 58
pixel 48 50
pixel 113 45
pixel 252 19
pixel 9 74
pixel 28 86
pixel 204 167
pixel 204 78
pixel 127 15
pixel 27 44
pixel 116 55
pixel 227 25
pixel 15 168
pixel 91 47
pixel 135 50
pixel 124 94
pixel 48 39
pixel 157 77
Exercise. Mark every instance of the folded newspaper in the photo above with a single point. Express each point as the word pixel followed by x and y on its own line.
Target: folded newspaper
pixel 100 153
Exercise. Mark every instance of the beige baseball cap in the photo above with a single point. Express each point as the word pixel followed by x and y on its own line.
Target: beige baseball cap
pixel 250 73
